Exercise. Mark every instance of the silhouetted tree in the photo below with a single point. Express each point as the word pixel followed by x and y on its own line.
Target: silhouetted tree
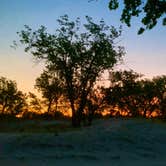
pixel 130 93
pixel 34 103
pixel 51 88
pixel 150 10
pixel 125 91
pixel 94 103
pixel 160 91
pixel 147 95
pixel 12 101
pixel 78 54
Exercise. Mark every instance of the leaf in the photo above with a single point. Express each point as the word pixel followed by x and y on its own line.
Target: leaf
pixel 141 30
pixel 113 4
pixel 164 21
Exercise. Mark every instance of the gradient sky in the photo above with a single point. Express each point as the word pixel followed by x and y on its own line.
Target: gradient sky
pixel 145 54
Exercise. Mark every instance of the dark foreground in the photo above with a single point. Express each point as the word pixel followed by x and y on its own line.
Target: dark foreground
pixel 113 142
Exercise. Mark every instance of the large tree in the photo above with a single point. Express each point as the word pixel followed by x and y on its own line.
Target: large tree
pixel 150 10
pixel 77 53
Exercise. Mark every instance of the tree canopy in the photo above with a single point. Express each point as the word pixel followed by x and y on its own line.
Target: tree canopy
pixel 77 53
pixel 134 95
pixel 150 10
pixel 12 101
pixel 51 88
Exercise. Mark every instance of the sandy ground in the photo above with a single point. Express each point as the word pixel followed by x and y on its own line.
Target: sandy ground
pixel 113 142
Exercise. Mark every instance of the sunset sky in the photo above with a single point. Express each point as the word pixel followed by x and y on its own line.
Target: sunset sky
pixel 144 53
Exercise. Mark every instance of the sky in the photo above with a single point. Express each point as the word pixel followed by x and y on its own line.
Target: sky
pixel 145 53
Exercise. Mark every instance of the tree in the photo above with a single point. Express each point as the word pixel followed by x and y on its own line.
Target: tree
pixel 34 103
pixel 18 104
pixel 139 96
pixel 94 105
pixel 147 95
pixel 124 91
pixel 152 11
pixel 12 101
pixel 51 88
pixel 78 54
pixel 160 89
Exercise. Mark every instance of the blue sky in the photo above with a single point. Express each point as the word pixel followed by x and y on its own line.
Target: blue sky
pixel 145 53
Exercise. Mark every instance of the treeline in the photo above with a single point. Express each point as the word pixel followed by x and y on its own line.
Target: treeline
pixel 132 95
pixel 128 95
pixel 17 104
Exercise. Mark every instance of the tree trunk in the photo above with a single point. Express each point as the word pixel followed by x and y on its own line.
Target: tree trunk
pixel 3 109
pixel 56 105
pixel 144 113
pixel 49 106
pixel 4 105
pixel 74 117
pixel 81 107
pixel 92 110
pixel 90 118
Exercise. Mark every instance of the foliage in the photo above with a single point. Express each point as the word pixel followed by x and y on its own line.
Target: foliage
pixel 34 103
pixel 77 54
pixel 135 95
pixel 51 87
pixel 124 91
pixel 152 11
pixel 12 101
pixel 160 86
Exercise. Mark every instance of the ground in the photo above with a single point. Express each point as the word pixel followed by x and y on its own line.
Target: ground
pixel 113 142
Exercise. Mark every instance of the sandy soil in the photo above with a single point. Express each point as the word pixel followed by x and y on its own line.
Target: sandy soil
pixel 113 142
